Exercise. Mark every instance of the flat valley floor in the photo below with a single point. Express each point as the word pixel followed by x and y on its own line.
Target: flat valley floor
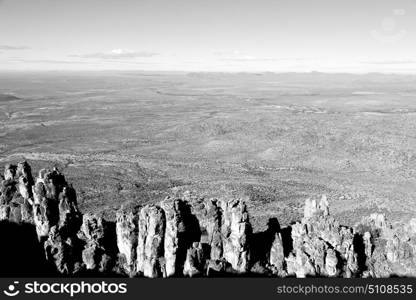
pixel 127 138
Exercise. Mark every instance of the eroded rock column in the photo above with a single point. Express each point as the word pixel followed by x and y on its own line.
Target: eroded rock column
pixel 93 233
pixel 236 231
pixel 175 239
pixel 277 256
pixel 127 230
pixel 150 261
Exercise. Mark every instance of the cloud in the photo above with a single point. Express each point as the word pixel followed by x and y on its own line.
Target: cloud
pixel 228 53
pixel 107 62
pixel 390 62
pixel 247 58
pixel 117 54
pixel 13 47
pixel 51 61
pixel 44 61
pixel 238 56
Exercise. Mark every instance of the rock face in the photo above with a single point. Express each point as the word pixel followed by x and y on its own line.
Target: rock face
pixel 321 246
pixel 59 250
pixel 277 255
pixel 389 249
pixel 236 230
pixel 127 229
pixel 150 249
pixel 208 214
pixel 92 234
pixel 195 260
pixel 175 235
pixel 47 208
pixel 8 185
pixel 44 217
pixel 25 181
pixel 10 172
pixel 191 236
pixel 213 229
pixel 16 193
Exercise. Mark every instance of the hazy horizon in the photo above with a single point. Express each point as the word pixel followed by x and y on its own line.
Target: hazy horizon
pixel 217 36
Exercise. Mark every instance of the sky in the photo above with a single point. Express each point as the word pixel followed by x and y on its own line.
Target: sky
pixel 355 36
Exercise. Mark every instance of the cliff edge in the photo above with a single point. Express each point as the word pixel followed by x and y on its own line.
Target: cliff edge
pixel 44 233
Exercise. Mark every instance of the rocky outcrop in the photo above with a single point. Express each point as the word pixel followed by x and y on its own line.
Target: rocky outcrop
pixel 175 239
pixel 195 261
pixel 236 230
pixel 25 181
pixel 213 229
pixel 150 259
pixel 322 247
pixel 127 229
pixel 8 185
pixel 388 249
pixel 94 234
pixel 60 250
pixel 192 236
pixel 48 210
pixel 9 172
pixel 44 217
pixel 277 255
pixel 208 215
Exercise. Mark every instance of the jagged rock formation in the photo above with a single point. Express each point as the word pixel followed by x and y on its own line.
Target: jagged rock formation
pixel 191 236
pixel 236 230
pixel 195 260
pixel 60 250
pixel 93 234
pixel 24 173
pixel 150 259
pixel 175 229
pixel 389 249
pixel 277 255
pixel 127 229
pixel 322 247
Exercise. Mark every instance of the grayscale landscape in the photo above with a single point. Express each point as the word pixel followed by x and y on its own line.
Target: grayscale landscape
pixel 190 138
pixel 270 139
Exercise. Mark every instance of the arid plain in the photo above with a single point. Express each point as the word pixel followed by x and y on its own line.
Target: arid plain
pixel 126 138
